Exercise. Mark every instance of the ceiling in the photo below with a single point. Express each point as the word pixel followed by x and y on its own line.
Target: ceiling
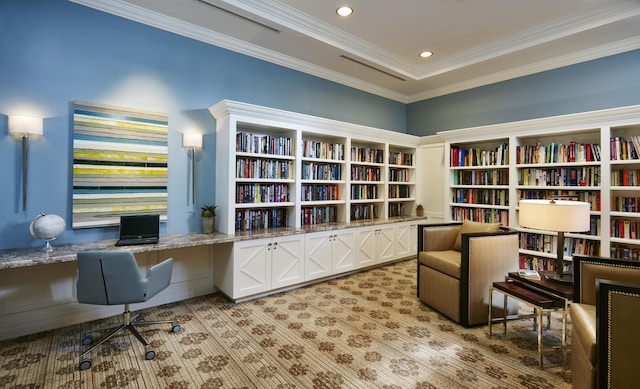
pixel 475 42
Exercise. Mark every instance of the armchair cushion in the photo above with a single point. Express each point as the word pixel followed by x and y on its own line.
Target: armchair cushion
pixel 470 227
pixel 583 320
pixel 447 262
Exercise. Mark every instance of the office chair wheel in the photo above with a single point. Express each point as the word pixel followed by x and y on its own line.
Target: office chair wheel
pixel 85 364
pixel 175 328
pixel 149 354
pixel 87 340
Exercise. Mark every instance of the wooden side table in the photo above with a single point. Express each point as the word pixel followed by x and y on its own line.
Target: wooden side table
pixel 542 303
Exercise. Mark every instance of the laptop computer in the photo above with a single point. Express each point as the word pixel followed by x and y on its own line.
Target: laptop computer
pixel 139 229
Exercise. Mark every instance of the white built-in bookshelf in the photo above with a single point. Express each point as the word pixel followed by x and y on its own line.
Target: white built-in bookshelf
pixel 592 157
pixel 277 169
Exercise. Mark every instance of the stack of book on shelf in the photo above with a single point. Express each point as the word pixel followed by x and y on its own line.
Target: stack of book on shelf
pixel 527 273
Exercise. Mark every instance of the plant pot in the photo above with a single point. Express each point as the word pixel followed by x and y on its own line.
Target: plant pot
pixel 208 223
pixel 420 212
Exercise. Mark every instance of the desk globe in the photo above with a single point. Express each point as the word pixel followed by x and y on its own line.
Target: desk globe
pixel 47 228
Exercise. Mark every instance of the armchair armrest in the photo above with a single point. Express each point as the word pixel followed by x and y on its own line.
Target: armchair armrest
pixel 486 258
pixel 159 277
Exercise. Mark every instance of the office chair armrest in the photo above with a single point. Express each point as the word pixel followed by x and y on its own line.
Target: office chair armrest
pixel 159 277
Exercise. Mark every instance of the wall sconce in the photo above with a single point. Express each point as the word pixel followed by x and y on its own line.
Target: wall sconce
pixel 21 127
pixel 192 141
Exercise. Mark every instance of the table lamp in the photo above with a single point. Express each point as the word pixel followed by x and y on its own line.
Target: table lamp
pixel 556 215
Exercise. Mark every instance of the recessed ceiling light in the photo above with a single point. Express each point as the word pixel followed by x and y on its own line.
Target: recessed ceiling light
pixel 426 54
pixel 344 11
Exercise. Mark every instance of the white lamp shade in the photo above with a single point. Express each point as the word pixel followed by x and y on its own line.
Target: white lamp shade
pixel 192 140
pixel 20 125
pixel 557 215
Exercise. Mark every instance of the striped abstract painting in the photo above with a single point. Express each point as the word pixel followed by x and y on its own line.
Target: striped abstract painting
pixel 120 160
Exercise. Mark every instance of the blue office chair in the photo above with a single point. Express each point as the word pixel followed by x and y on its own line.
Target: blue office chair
pixel 112 278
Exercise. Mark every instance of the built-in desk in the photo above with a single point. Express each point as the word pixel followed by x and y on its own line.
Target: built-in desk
pixel 37 289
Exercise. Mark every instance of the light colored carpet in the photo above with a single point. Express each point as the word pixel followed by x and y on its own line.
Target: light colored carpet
pixel 367 330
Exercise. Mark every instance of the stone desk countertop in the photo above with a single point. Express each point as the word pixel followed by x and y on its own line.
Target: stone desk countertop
pixel 34 256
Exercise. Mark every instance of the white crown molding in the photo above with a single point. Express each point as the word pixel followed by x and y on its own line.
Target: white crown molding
pixel 163 22
pixel 328 126
pixel 571 122
pixel 532 68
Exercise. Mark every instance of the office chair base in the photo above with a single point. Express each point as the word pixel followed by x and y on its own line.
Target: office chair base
pixel 127 324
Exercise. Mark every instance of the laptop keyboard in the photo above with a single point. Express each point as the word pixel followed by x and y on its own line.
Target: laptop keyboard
pixel 131 242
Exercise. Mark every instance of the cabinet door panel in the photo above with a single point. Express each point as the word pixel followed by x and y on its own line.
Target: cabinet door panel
pixel 253 267
pixel 366 246
pixel 343 250
pixel 385 244
pixel 404 239
pixel 287 261
pixel 317 255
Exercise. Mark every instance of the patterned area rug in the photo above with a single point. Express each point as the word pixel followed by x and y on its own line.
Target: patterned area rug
pixel 367 330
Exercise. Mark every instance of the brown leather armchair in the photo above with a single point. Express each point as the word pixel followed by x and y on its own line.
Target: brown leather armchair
pixel 593 359
pixel 457 263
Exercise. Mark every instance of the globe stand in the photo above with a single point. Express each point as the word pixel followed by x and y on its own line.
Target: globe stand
pixel 47 245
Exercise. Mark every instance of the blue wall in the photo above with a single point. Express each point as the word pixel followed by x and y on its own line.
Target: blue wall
pixel 600 84
pixel 55 52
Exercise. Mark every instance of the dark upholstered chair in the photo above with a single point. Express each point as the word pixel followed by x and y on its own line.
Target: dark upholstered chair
pixel 592 360
pixel 457 263
pixel 113 278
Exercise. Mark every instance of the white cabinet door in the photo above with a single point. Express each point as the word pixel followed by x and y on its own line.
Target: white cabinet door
pixel 344 251
pixel 318 255
pixel 287 261
pixel 406 239
pixel 252 267
pixel 386 243
pixel 375 245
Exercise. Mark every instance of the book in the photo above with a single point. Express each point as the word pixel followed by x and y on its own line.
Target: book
pixel 527 273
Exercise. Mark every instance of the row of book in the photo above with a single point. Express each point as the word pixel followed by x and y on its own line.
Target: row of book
pixel 366 154
pixel 537 264
pixel 479 157
pixel 322 150
pixel 398 175
pixel 481 196
pixel 260 219
pixel 319 192
pixel 262 193
pixel 625 204
pixel 557 153
pixel 263 168
pixel 396 209
pixel 480 215
pixel 626 229
pixel 364 192
pixel 625 252
pixel 585 176
pixel 399 191
pixel 625 149
pixel 481 177
pixel 318 215
pixel 364 211
pixel 321 171
pixel 399 158
pixel 625 177
pixel 248 142
pixel 591 197
pixel 365 173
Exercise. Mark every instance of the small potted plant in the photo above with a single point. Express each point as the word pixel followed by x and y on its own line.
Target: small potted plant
pixel 419 210
pixel 208 217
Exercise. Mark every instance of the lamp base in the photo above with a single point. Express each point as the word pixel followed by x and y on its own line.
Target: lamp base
pixel 564 278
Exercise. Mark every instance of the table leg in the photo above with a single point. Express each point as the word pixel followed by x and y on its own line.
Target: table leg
pixel 564 335
pixel 490 306
pixel 539 314
pixel 504 311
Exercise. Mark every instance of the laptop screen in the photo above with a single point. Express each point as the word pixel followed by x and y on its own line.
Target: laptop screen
pixel 139 226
